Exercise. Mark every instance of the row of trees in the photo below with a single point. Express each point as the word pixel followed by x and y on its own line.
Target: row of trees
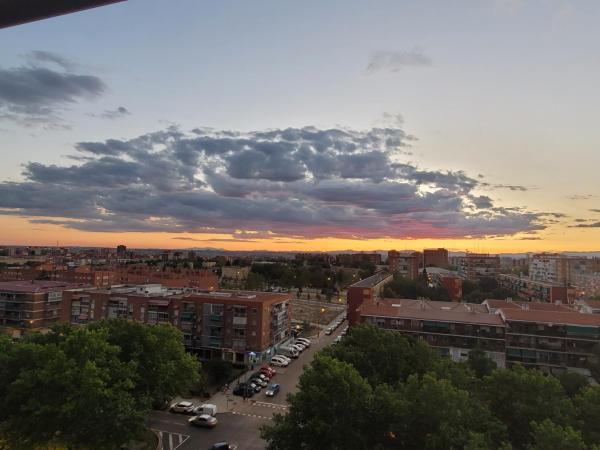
pixel 295 275
pixel 89 388
pixel 381 390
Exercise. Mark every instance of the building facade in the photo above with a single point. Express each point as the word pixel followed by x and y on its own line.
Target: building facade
pixel 406 263
pixel 32 305
pixel 478 265
pixel 437 257
pixel 219 324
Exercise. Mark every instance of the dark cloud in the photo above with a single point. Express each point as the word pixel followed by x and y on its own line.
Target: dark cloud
pixel 214 240
pixel 595 210
pixel 397 61
pixel 282 183
pixel 587 225
pixel 33 95
pixel 113 114
pixel 41 56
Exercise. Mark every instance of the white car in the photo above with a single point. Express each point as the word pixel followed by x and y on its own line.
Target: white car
pixel 279 362
pixel 285 358
pixel 304 341
pixel 183 407
pixel 299 347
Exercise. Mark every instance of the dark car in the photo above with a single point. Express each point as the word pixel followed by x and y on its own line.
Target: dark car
pixel 223 446
pixel 243 390
pixel 272 390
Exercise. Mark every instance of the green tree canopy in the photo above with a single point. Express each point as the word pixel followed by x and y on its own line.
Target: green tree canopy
pixel 546 435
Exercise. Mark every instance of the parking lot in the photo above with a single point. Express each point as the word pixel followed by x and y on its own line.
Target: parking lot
pixel 239 419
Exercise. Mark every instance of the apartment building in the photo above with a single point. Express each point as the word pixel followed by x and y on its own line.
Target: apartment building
pixel 32 304
pixel 453 328
pixel 215 324
pixel 533 290
pixel 365 291
pixel 477 265
pixel 406 263
pixel 437 257
pixel 551 337
pixel 353 259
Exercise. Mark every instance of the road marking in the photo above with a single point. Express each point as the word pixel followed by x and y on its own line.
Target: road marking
pixel 251 415
pixel 173 439
pixel 269 405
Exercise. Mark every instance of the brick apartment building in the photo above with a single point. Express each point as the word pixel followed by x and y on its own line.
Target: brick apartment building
pixel 217 324
pixel 406 263
pixel 437 257
pixel 533 290
pixel 105 276
pixel 353 259
pixel 551 337
pixel 453 328
pixel 477 265
pixel 32 305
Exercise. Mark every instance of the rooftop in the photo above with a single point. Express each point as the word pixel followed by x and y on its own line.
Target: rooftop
pixel 493 305
pixel 373 280
pixel 35 286
pixel 551 317
pixel 469 313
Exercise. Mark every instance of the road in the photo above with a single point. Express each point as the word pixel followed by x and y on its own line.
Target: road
pixel 239 420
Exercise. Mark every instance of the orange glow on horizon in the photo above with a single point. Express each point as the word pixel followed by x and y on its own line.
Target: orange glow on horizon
pixel 19 231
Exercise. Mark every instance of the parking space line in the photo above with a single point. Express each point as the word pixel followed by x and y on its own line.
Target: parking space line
pixel 177 437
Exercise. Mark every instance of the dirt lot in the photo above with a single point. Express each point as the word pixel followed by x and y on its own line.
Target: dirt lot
pixel 313 312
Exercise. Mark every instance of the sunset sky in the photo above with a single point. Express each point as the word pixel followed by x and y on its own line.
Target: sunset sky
pixel 313 125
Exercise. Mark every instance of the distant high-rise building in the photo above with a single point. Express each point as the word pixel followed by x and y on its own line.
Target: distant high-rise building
pixel 121 249
pixel 437 257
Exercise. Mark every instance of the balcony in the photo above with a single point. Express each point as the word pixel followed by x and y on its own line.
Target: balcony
pixel 216 317
pixel 240 320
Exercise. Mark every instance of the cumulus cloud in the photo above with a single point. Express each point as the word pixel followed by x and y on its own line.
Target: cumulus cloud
pixel 280 183
pixel 388 61
pixel 33 94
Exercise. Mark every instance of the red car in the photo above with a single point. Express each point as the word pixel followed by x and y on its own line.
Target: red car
pixel 268 371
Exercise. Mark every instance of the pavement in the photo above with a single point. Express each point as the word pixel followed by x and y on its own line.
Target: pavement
pixel 239 419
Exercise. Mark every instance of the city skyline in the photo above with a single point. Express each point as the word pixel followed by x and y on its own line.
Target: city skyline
pixel 326 127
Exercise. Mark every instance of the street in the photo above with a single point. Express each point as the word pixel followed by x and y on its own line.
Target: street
pixel 239 420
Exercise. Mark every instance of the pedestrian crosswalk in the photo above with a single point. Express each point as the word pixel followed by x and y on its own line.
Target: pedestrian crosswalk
pixel 171 441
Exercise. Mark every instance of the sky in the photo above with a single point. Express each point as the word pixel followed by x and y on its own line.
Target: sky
pixel 304 126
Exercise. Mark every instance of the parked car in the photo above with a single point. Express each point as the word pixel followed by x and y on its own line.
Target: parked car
pixel 272 390
pixel 279 362
pixel 255 386
pixel 203 420
pixel 328 331
pixel 337 339
pixel 261 376
pixel 243 390
pixel 268 371
pixel 223 446
pixel 182 407
pixel 299 347
pixel 304 341
pixel 259 382
pixel 205 408
pixel 284 357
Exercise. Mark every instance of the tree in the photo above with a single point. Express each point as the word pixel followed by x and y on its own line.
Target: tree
pixel 75 393
pixel 519 396
pixel 587 405
pixel 546 435
pixel 218 370
pixel 381 356
pixel 330 410
pixel 444 417
pixel 163 368
pixel 572 382
pixel 480 363
pixel 255 281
